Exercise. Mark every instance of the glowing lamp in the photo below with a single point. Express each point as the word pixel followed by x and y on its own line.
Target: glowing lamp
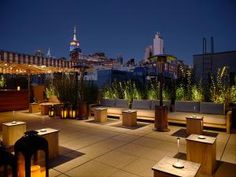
pixel 72 113
pixel 35 171
pixel 18 88
pixel 7 164
pixel 64 113
pixel 51 111
pixel 31 152
pixel 178 163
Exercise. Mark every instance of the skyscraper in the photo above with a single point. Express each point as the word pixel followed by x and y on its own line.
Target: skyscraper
pixel 158 44
pixel 75 50
pixel 148 52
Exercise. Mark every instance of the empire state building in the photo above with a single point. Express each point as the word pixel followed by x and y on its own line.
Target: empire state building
pixel 75 50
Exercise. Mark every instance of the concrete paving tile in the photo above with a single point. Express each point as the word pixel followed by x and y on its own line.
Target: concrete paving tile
pixel 117 152
pixel 163 137
pixel 229 154
pixel 230 147
pixel 123 174
pixel 157 144
pixel 116 159
pixel 71 164
pixel 232 139
pixel 83 142
pixel 222 137
pixel 225 170
pixel 148 142
pixel 101 148
pixel 229 157
pixel 63 175
pixel 134 149
pixel 92 169
pixel 141 167
pixel 53 173
pixel 125 137
pixel 156 155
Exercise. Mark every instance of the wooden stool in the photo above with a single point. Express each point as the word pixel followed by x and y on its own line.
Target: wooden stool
pixel 202 151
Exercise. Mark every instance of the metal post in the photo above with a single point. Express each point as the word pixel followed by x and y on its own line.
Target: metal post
pixel 29 90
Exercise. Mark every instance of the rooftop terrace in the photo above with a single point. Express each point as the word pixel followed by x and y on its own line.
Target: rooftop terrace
pixel 89 149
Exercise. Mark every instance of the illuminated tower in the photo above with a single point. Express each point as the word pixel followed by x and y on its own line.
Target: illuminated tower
pixel 158 45
pixel 75 51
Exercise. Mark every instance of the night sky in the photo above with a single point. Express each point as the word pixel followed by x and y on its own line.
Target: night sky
pixel 117 27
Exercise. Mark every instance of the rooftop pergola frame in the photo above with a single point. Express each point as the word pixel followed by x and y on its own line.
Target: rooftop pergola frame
pixel 26 69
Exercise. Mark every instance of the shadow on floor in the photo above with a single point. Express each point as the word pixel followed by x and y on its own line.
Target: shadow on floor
pixel 63 158
pixel 223 169
pixel 183 133
pixel 139 125
pixel 103 123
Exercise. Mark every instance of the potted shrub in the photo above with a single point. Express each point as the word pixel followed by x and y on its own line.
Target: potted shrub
pixel 66 89
pixel 221 93
pixel 188 95
pixel 189 103
pixel 130 92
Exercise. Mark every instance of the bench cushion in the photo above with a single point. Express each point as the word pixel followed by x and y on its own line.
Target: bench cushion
pixel 114 111
pixel 144 113
pixel 207 118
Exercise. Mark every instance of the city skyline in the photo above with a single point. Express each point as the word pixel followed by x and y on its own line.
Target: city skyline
pixel 117 27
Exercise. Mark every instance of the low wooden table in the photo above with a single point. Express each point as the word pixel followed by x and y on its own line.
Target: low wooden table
pixel 34 107
pixel 164 168
pixel 202 151
pixel 129 118
pixel 12 131
pixel 52 136
pixel 100 114
pixel 194 125
pixel 45 108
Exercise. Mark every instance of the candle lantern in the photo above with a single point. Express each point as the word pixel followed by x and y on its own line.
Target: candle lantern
pixel 64 112
pixel 72 112
pixel 51 111
pixel 7 164
pixel 31 153
pixel 178 163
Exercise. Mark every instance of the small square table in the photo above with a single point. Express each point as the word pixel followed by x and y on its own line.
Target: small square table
pixel 202 149
pixel 100 114
pixel 51 135
pixel 164 168
pixel 12 131
pixel 129 118
pixel 194 125
pixel 34 107
pixel 45 108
